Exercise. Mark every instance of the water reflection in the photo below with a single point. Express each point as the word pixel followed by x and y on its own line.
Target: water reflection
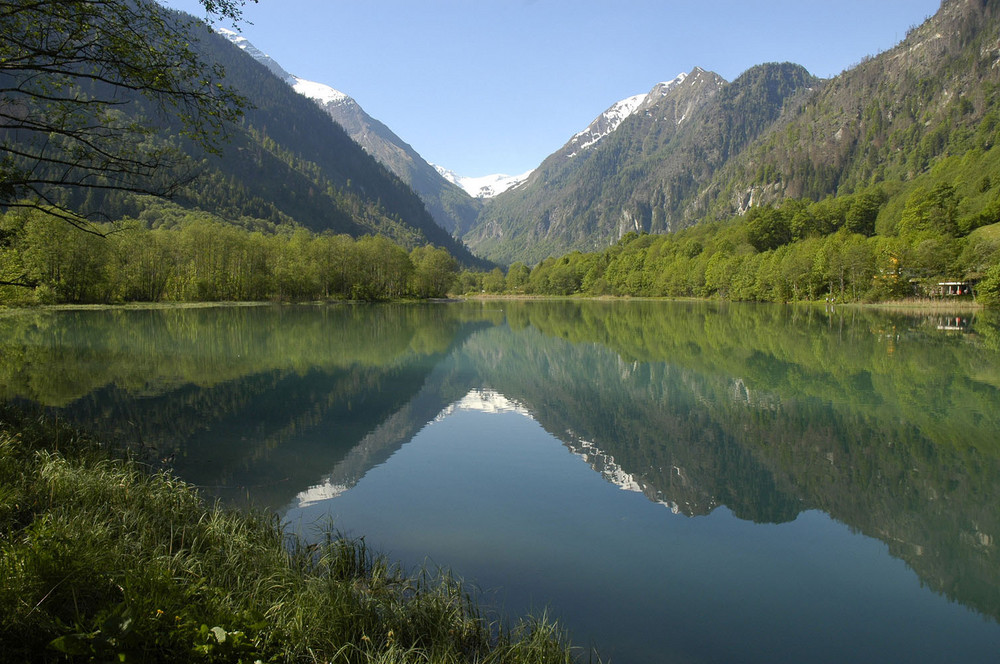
pixel 378 445
pixel 494 494
pixel 467 415
pixel 251 403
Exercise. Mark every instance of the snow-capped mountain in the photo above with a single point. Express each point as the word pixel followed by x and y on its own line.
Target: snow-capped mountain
pixel 612 118
pixel 446 201
pixel 322 93
pixel 660 90
pixel 486 186
pixel 489 186
pixel 254 52
pixel 567 203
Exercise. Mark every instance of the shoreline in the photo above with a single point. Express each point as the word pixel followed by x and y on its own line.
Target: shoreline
pixel 146 580
pixel 937 305
pixel 928 304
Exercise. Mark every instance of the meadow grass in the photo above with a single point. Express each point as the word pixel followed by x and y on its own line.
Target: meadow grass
pixel 102 559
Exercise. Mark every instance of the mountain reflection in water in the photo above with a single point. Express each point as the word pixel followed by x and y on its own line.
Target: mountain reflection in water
pixel 746 415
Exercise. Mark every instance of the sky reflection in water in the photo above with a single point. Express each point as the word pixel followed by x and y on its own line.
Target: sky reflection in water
pixel 487 492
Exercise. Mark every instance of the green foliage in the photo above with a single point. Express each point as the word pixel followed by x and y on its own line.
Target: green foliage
pixel 495 281
pixel 989 287
pixel 517 277
pixel 767 228
pixel 66 70
pixel 883 242
pixel 102 560
pixel 434 271
pixel 934 211
pixel 863 212
pixel 192 256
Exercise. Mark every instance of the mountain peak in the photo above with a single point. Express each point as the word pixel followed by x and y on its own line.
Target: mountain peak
pixel 612 118
pixel 486 186
pixel 319 92
pixel 260 56
pixel 661 89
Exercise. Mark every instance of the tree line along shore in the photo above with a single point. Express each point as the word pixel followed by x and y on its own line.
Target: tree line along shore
pixel 853 248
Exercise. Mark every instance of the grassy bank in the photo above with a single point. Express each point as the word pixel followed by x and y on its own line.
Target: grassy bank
pixel 102 560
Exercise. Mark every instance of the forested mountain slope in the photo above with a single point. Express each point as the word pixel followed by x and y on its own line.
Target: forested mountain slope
pixel 300 163
pixel 284 162
pixel 775 133
pixel 641 176
pixel 450 206
pixel 887 119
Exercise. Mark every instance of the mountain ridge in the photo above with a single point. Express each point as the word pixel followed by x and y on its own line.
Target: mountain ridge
pixel 446 201
pixel 608 121
pixel 284 163
pixel 485 186
pixel 559 207
pixel 774 133
pixel 882 119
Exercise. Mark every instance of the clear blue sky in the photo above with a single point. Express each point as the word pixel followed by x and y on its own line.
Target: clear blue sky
pixel 495 86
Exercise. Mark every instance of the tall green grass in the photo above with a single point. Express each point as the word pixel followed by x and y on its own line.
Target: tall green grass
pixel 102 559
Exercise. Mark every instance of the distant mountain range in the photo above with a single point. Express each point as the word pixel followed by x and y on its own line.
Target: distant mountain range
pixel 705 148
pixel 698 147
pixel 486 186
pixel 693 148
pixel 438 186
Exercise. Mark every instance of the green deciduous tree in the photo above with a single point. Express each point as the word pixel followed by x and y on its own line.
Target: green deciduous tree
pixel 73 266
pixel 382 269
pixel 864 210
pixel 935 210
pixel 767 228
pixel 494 281
pixel 517 277
pixel 434 271
pixel 988 291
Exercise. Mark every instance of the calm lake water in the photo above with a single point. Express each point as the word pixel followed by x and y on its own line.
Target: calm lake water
pixel 674 482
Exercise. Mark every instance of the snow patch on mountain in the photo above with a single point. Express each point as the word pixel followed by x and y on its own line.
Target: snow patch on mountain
pixel 320 92
pixel 660 90
pixel 486 186
pixel 607 122
pixel 324 94
pixel 611 119
pixel 255 53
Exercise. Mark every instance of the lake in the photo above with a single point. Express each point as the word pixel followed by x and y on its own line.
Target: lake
pixel 674 482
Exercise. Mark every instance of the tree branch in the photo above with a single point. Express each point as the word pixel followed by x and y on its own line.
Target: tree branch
pixel 67 70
